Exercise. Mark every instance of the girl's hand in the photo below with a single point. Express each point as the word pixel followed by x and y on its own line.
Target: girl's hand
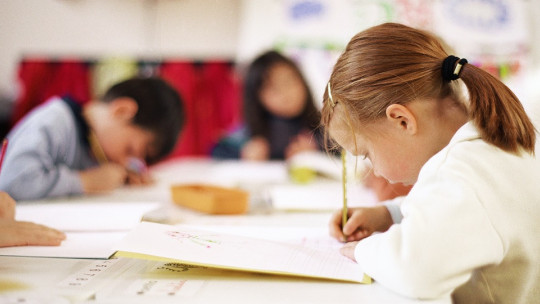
pixel 361 223
pixel 257 149
pixel 104 178
pixel 302 142
pixel 348 250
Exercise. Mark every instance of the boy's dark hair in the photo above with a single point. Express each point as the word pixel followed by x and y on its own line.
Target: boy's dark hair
pixel 255 114
pixel 160 110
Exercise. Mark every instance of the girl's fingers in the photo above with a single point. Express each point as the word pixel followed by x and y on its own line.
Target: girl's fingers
pixel 335 227
pixel 358 235
pixel 348 250
pixel 355 221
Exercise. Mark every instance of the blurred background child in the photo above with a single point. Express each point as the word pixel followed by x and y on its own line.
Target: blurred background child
pixel 279 114
pixel 62 148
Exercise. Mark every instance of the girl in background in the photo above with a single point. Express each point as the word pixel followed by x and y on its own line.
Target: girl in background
pixel 279 114
pixel 469 226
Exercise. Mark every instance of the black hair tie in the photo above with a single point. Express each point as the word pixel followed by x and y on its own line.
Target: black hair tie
pixel 450 71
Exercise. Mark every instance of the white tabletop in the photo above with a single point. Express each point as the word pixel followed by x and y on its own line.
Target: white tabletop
pixel 122 280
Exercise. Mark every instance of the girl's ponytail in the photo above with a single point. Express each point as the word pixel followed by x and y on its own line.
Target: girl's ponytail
pixel 497 112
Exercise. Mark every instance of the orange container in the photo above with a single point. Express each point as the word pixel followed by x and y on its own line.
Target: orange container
pixel 211 199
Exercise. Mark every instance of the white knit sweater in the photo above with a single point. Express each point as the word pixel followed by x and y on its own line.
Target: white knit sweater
pixel 470 228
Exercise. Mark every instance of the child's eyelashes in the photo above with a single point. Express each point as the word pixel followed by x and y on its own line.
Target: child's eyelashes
pixel 364 155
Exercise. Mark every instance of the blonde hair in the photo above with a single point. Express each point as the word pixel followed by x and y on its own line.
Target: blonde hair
pixel 396 64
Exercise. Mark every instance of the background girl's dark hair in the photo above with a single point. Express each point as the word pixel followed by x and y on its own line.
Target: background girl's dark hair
pixel 396 64
pixel 160 110
pixel 255 114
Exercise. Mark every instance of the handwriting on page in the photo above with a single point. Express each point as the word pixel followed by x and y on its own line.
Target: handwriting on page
pixel 205 241
pixel 213 249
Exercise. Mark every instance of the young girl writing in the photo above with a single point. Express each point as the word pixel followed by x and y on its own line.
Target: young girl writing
pixel 279 113
pixel 469 226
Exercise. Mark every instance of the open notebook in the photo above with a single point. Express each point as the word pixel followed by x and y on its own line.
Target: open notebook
pixel 210 248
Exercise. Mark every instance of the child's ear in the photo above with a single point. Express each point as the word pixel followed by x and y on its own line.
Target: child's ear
pixel 124 108
pixel 402 118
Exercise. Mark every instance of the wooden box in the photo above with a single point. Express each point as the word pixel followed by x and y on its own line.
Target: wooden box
pixel 211 199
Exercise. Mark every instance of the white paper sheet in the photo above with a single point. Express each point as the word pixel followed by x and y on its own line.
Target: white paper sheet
pixel 327 195
pixel 241 172
pixel 79 245
pixel 85 216
pixel 215 249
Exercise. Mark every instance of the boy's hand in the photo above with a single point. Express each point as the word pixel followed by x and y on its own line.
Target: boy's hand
pixel 361 223
pixel 137 172
pixel 104 178
pixel 134 178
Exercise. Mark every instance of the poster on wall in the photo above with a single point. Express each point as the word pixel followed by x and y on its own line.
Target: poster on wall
pixel 492 33
pixel 315 32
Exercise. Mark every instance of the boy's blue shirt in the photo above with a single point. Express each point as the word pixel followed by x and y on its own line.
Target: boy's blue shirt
pixel 46 151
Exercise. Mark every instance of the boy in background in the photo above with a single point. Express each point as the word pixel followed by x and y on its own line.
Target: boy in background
pixel 62 148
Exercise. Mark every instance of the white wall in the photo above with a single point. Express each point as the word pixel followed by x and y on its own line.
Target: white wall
pixel 98 28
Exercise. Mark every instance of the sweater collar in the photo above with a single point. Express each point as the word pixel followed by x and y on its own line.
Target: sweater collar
pixel 82 126
pixel 467 132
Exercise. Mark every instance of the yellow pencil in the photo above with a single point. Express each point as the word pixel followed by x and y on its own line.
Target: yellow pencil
pixel 96 148
pixel 344 182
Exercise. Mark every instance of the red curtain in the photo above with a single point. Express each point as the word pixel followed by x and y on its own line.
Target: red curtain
pixel 182 77
pixel 211 93
pixel 41 79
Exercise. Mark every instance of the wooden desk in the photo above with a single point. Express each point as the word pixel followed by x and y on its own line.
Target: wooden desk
pixel 51 280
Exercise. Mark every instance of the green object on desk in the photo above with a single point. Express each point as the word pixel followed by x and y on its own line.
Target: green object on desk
pixel 302 175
